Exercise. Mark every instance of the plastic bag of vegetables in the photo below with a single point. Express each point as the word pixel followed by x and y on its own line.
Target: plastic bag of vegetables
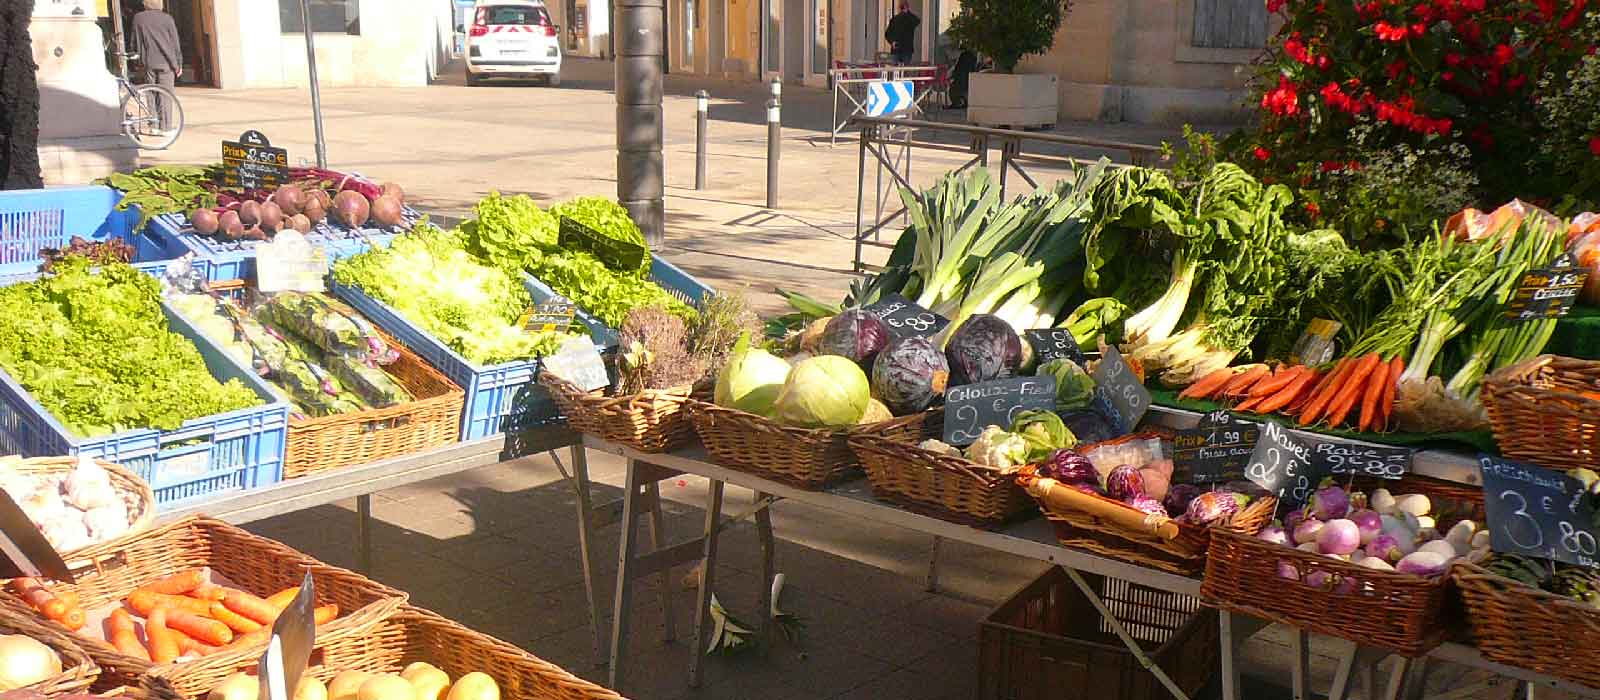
pixel 332 326
pixel 373 384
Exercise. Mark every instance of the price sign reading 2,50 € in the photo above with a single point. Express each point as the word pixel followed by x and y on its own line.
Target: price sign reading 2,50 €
pixel 1537 512
pixel 970 408
pixel 905 318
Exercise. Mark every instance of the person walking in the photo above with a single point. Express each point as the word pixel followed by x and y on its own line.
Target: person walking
pixel 960 77
pixel 155 39
pixel 902 33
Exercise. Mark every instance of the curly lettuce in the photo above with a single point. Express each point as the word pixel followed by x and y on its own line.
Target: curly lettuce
pixel 94 349
pixel 510 232
pixel 607 218
pixel 603 292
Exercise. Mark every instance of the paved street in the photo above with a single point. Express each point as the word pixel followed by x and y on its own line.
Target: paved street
pixel 497 547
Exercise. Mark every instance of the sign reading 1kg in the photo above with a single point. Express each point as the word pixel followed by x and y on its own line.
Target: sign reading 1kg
pixel 253 163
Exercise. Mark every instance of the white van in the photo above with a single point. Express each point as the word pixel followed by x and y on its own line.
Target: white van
pixel 513 39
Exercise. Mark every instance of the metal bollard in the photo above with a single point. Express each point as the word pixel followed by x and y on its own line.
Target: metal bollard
pixel 702 105
pixel 774 136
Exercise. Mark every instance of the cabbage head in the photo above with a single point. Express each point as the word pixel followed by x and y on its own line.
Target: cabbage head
pixel 826 391
pixel 1074 387
pixel 751 379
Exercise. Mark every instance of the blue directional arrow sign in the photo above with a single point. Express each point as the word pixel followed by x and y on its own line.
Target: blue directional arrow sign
pixel 889 96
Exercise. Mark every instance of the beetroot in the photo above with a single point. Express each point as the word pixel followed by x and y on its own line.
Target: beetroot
pixel 271 217
pixel 351 209
pixel 229 226
pixel 392 189
pixel 290 198
pixel 249 213
pixel 205 221
pixel 315 210
pixel 386 211
pixel 300 223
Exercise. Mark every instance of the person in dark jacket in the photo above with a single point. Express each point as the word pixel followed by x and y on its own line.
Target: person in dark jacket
pixel 960 76
pixel 155 39
pixel 902 33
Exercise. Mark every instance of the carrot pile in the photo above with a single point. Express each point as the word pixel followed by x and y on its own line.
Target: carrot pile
pixel 1356 392
pixel 184 615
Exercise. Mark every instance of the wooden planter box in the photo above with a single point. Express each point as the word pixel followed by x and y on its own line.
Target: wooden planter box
pixel 1012 99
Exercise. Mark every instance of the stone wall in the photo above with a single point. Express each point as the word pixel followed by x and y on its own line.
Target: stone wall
pixel 402 43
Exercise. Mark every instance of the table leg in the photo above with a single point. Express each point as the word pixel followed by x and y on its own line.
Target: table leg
pixel 580 486
pixel 708 568
pixel 657 530
pixel 1343 674
pixel 1398 678
pixel 622 608
pixel 1122 633
pixel 1300 675
pixel 364 533
pixel 1230 646
pixel 769 568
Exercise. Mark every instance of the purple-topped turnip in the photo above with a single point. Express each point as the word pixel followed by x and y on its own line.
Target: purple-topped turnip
pixel 1330 503
pixel 1306 531
pixel 1273 533
pixel 1423 564
pixel 1369 522
pixel 1339 536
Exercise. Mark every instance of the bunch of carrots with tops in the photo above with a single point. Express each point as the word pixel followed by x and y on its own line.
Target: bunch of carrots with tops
pixel 1355 392
pixel 184 615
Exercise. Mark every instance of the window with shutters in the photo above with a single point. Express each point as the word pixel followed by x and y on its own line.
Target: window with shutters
pixel 1229 24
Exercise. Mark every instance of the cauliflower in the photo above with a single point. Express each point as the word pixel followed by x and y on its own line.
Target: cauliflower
pixel 998 449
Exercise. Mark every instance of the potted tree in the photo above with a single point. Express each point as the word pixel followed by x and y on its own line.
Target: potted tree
pixel 1006 31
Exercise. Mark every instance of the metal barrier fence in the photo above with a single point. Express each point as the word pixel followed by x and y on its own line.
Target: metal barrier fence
pixel 890 140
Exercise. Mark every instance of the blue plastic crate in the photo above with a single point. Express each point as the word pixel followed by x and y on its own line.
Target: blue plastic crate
pixel 31 220
pixel 675 281
pixel 237 259
pixel 500 398
pixel 204 459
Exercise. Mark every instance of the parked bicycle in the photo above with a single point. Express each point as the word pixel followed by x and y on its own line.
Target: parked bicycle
pixel 141 113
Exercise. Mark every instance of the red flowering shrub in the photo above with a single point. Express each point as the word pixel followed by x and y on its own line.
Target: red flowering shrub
pixel 1453 83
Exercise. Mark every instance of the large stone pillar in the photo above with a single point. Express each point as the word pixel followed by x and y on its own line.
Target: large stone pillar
pixel 80 122
pixel 640 45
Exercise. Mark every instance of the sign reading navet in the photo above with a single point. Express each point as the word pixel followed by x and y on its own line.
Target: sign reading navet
pixel 1537 512
pixel 1053 343
pixel 1282 465
pixel 253 163
pixel 905 318
pixel 970 408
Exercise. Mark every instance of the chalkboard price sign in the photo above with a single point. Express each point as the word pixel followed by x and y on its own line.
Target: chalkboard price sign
pixel 904 318
pixel 1282 464
pixel 616 254
pixel 1118 393
pixel 1537 512
pixel 1546 293
pixel 554 316
pixel 1053 343
pixel 1361 460
pixel 970 408
pixel 1216 452
pixel 253 163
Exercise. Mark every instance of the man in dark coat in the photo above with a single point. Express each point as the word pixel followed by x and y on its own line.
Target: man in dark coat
pixel 155 39
pixel 902 33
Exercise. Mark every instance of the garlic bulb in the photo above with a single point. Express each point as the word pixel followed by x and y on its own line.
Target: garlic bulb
pixel 107 521
pixel 89 486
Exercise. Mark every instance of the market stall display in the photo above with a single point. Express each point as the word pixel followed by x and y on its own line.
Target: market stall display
pixel 78 501
pixel 944 484
pixel 37 225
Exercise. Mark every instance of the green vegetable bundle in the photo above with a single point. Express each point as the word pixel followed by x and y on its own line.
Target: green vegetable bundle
pixel 163 189
pixel 332 326
pixel 94 349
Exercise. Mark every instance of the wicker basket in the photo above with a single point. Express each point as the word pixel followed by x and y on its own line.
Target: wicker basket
pixel 431 419
pixel 804 457
pixel 251 562
pixel 1114 529
pixel 1546 411
pixel 78 671
pixel 1519 625
pixel 947 487
pixel 135 493
pixel 410 635
pixel 649 421
pixel 1402 613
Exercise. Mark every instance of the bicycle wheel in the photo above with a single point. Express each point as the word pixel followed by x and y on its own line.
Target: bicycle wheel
pixel 141 117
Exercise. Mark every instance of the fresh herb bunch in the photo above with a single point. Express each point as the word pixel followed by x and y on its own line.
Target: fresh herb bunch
pixel 163 189
pixel 94 349
pixel 112 250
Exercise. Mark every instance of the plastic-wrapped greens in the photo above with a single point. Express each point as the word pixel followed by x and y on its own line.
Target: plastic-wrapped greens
pixel 373 384
pixel 336 329
pixel 295 368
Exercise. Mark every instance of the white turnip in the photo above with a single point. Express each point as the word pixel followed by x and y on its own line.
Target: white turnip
pixel 1339 537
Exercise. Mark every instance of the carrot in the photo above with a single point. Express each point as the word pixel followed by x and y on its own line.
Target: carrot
pixel 143 601
pixel 1208 384
pixel 1280 379
pixel 325 613
pixel 69 597
pixel 1283 397
pixel 121 634
pixel 1345 399
pixel 163 644
pixel 1304 397
pixel 190 646
pixel 1249 405
pixel 74 619
pixel 177 584
pixel 1242 383
pixel 321 615
pixel 1372 395
pixel 40 598
pixel 1397 366
pixel 283 598
pixel 1324 392
pixel 236 622
pixel 208 591
pixel 203 629
pixel 250 606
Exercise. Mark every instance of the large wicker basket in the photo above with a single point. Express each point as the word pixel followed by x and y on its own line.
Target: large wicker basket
pixel 804 457
pixel 1519 625
pixel 410 635
pixel 1546 411
pixel 943 486
pixel 135 493
pixel 1399 612
pixel 250 562
pixel 649 421
pixel 431 419
pixel 78 671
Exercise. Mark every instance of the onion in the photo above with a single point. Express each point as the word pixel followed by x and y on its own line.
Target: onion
pixel 1423 564
pixel 1339 537
pixel 1306 531
pixel 1330 502
pixel 1369 522
pixel 1273 533
pixel 25 661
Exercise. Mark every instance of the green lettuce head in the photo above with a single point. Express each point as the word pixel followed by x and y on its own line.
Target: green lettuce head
pixel 827 391
pixel 751 379
pixel 1074 387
